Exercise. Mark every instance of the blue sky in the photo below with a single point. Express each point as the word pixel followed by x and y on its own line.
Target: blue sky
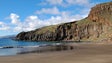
pixel 26 15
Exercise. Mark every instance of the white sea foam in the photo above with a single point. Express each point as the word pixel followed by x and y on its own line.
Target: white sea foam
pixel 1 47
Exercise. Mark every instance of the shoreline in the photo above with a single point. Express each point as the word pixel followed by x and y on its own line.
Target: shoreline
pixel 15 50
pixel 49 48
pixel 82 53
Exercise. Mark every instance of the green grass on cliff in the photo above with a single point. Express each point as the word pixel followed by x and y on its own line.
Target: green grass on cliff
pixel 51 28
pixel 83 22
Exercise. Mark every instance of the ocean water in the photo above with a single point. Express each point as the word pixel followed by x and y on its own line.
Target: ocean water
pixel 11 47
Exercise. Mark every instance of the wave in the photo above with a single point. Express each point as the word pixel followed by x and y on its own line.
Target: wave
pixel 4 47
pixel 42 45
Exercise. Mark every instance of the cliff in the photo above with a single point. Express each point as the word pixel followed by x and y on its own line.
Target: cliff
pixel 96 27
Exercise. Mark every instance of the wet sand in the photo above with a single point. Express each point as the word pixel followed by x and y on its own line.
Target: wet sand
pixel 82 53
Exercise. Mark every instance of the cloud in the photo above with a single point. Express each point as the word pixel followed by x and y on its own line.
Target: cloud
pixel 78 2
pixel 3 26
pixel 32 23
pixel 53 11
pixel 15 22
pixel 54 2
pixel 65 3
pixel 14 18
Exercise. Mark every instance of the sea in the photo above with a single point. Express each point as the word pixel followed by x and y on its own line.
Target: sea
pixel 11 47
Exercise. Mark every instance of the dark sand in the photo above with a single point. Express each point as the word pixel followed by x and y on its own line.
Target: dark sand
pixel 82 53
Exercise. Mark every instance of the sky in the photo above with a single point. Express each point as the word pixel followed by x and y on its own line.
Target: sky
pixel 26 15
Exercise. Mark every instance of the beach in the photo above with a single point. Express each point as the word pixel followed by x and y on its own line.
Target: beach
pixel 82 53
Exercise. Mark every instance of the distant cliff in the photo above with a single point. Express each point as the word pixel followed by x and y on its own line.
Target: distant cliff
pixel 96 27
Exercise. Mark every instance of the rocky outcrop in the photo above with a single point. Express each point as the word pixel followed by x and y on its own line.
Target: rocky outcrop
pixel 44 34
pixel 101 13
pixel 95 27
pixel 67 31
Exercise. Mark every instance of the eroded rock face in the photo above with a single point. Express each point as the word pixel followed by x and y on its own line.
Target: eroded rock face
pixel 98 22
pixel 32 36
pixel 101 13
pixel 67 31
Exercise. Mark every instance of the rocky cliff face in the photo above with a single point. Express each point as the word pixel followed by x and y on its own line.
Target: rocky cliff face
pixel 42 34
pixel 101 13
pixel 97 26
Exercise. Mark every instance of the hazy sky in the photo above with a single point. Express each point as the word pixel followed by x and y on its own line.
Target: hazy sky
pixel 26 15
